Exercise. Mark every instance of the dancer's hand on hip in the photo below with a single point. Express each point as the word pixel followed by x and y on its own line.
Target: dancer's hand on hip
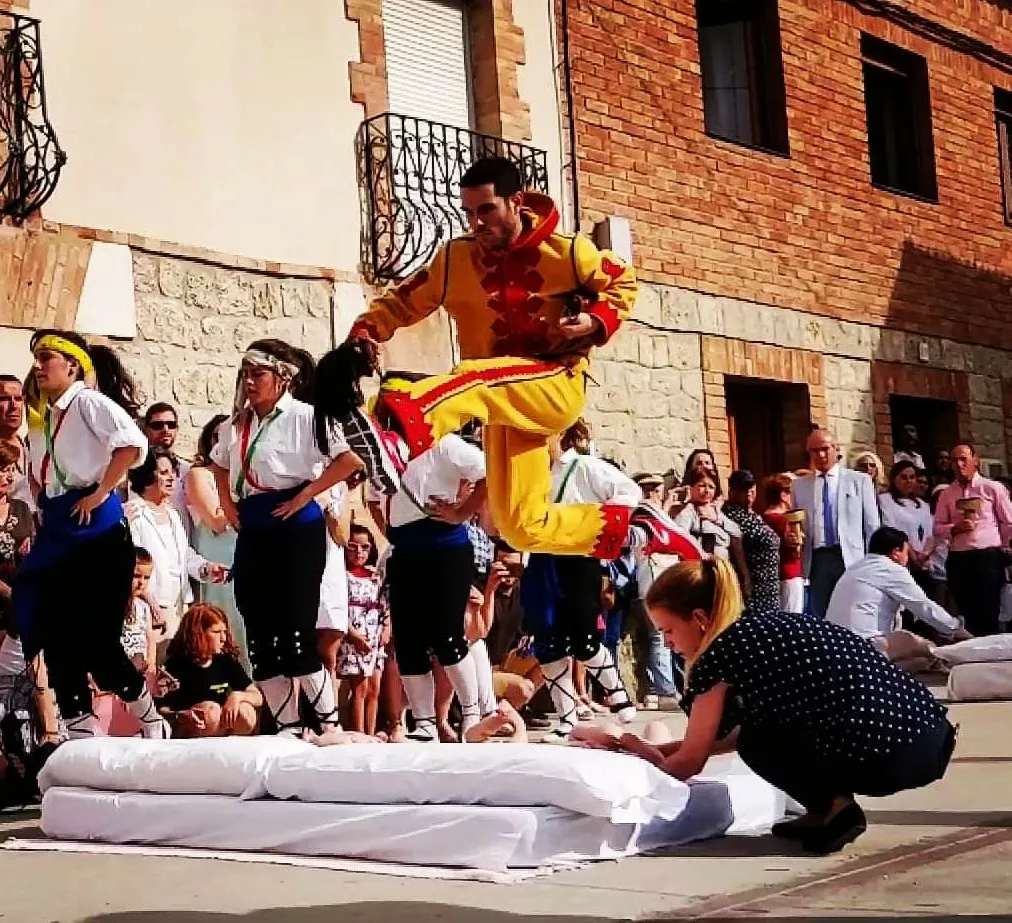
pixel 290 507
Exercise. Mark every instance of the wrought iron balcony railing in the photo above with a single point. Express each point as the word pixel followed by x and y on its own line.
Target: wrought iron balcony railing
pixel 30 156
pixel 409 174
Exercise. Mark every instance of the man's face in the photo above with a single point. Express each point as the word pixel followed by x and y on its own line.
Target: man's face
pixel 964 462
pixel 653 492
pixel 910 435
pixel 12 405
pixel 161 429
pixel 821 451
pixel 902 555
pixel 494 220
pixel 513 561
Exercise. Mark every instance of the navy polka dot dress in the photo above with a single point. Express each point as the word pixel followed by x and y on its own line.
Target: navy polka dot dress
pixel 817 680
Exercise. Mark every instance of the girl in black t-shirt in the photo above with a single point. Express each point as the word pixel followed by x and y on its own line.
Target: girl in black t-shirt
pixel 213 695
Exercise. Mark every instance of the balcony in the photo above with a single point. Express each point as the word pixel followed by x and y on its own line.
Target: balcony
pixel 409 174
pixel 30 156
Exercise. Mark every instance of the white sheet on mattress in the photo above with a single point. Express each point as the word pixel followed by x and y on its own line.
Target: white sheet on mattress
pixel 597 783
pixel 985 649
pixel 465 836
pixel 980 682
pixel 216 766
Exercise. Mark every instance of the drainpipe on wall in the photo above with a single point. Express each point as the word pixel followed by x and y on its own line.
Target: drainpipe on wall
pixel 567 76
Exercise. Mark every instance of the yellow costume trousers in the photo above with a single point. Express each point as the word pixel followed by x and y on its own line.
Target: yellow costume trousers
pixel 521 402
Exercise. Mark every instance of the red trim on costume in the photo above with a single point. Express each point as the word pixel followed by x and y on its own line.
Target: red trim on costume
pixel 546 218
pixel 409 419
pixel 614 532
pixel 608 316
pixel 429 399
pixel 363 328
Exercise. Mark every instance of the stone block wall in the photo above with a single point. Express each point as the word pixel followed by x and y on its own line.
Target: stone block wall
pixel 194 321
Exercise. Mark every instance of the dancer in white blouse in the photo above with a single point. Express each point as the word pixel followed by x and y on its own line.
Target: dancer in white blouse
pixel 75 585
pixel 270 465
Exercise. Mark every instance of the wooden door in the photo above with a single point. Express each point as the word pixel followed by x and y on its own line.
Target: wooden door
pixel 755 424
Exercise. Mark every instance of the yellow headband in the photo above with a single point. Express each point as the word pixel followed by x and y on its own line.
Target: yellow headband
pixel 59 344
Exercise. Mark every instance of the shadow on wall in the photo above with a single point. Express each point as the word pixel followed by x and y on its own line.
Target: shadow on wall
pixel 962 301
pixel 954 300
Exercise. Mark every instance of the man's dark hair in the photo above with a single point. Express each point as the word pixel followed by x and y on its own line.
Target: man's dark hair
pixel 741 480
pixel 13 379
pixel 886 540
pixel 502 174
pixel 157 408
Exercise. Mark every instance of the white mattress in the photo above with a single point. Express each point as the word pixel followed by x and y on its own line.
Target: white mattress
pixel 461 836
pixel 539 807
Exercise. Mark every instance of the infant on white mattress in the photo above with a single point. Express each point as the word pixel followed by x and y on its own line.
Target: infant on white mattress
pixel 493 725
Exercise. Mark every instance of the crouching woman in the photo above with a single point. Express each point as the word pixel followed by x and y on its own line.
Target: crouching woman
pixel 211 694
pixel 811 707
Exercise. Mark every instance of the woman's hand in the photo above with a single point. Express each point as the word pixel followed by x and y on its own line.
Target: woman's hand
pixel 708 512
pixel 291 507
pixel 87 505
pixel 215 573
pixel 630 743
pixel 230 710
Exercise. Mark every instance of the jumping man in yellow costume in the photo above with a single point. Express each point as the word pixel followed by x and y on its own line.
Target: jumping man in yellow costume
pixel 529 304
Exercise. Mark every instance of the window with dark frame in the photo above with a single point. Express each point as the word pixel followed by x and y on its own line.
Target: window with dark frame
pixel 1003 121
pixel 897 102
pixel 743 73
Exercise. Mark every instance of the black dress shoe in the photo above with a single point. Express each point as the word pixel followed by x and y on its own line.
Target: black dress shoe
pixel 843 828
pixel 795 830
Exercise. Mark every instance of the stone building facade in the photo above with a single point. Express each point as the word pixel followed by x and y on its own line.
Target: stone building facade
pixel 778 255
pixel 775 274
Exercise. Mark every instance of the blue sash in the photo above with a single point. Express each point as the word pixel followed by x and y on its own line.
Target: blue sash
pixel 540 593
pixel 256 511
pixel 59 534
pixel 426 534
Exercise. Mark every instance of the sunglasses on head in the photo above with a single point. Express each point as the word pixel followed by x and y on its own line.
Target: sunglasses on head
pixel 163 424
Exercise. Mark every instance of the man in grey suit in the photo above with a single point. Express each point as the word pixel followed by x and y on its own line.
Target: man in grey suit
pixel 842 515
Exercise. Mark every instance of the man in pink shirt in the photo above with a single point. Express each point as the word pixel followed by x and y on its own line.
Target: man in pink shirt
pixel 974 515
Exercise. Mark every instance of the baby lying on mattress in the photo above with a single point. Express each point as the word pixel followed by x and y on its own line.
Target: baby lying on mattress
pixel 504 724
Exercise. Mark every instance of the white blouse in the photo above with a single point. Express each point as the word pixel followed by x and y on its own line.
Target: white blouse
pixel 284 450
pixel 578 478
pixel 916 521
pixel 87 427
pixel 175 562
pixel 436 474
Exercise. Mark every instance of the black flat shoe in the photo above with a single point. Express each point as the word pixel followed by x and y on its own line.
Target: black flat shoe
pixel 842 829
pixel 794 830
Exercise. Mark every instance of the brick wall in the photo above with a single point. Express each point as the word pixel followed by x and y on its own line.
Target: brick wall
pixel 723 357
pixel 809 231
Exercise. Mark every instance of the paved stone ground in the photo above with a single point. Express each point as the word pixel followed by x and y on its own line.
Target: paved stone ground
pixel 931 854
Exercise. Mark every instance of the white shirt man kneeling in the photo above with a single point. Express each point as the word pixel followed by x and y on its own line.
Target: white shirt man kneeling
pixel 870 597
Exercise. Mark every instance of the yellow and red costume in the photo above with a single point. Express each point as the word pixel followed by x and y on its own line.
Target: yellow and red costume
pixel 519 374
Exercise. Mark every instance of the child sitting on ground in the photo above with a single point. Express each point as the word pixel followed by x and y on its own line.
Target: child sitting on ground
pixel 214 696
pixel 361 656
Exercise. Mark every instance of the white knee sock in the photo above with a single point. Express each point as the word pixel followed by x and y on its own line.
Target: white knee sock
pixel 153 725
pixel 320 691
pixel 602 667
pixel 83 726
pixel 420 691
pixel 486 682
pixel 559 679
pixel 281 695
pixel 463 677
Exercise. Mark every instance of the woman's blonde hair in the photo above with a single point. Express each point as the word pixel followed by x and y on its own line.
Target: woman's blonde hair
pixel 710 585
pixel 881 475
